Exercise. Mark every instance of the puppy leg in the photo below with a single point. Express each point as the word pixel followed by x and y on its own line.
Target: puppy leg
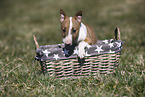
pixel 81 49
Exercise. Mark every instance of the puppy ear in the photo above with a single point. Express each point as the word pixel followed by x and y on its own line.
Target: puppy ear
pixel 62 15
pixel 78 16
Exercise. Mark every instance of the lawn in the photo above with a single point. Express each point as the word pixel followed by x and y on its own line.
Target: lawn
pixel 20 19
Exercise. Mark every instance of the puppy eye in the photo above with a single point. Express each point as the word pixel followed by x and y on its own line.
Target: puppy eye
pixel 63 30
pixel 73 30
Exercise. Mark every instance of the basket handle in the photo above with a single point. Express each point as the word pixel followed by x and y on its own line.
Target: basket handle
pixel 117 35
pixel 35 40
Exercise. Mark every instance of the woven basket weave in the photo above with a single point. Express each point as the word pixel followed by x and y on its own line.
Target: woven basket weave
pixel 100 63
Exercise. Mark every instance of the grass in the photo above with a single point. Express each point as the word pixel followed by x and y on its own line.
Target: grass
pixel 19 20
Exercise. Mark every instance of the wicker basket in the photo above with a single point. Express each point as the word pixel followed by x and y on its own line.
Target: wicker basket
pixel 54 60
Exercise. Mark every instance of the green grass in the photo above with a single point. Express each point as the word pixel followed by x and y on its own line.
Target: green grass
pixel 20 19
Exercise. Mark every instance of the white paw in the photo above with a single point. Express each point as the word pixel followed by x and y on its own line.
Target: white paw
pixel 81 52
pixel 81 49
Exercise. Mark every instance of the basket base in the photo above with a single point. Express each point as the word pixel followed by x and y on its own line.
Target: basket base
pixel 94 65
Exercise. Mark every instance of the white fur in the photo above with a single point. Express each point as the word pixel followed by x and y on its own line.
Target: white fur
pixel 81 49
pixel 82 33
pixel 70 25
pixel 68 39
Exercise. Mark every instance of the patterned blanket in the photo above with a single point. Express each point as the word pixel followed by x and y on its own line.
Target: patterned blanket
pixel 60 51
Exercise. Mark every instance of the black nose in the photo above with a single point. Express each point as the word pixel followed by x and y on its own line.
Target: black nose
pixel 67 44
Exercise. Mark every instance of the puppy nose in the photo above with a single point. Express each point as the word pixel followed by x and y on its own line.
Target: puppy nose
pixel 67 44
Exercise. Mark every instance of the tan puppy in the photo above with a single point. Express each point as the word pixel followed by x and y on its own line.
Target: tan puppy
pixel 74 32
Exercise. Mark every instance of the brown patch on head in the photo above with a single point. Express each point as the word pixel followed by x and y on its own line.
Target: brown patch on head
pixel 65 27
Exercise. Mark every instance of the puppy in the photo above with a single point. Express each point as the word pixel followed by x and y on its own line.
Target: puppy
pixel 74 32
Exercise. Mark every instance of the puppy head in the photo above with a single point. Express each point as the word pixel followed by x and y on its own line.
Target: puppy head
pixel 70 27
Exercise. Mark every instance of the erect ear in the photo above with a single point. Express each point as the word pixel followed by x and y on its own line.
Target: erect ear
pixel 62 15
pixel 78 16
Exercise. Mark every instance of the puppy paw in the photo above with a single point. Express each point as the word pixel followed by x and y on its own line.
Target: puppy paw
pixel 81 49
pixel 81 52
